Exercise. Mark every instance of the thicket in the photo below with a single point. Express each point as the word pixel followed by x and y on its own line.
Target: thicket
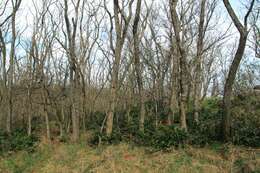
pixel 245 126
pixel 16 141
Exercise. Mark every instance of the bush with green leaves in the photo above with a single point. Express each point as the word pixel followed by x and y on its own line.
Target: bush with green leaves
pixel 94 120
pixel 246 120
pixel 245 112
pixel 245 126
pixel 166 137
pixel 102 138
pixel 246 132
pixel 17 140
pixel 208 129
pixel 162 138
pixel 4 143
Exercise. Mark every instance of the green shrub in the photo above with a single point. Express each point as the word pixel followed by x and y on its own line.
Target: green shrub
pixel 18 140
pixel 246 135
pixel 162 138
pixel 245 125
pixel 102 138
pixel 4 143
pixel 246 120
pixel 204 133
pixel 246 131
pixel 94 121
pixel 208 129
pixel 21 141
pixel 166 137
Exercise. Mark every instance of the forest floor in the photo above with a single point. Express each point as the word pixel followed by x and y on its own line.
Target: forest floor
pixel 126 158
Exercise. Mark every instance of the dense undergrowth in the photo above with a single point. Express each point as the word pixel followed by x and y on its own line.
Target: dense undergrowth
pixel 16 141
pixel 245 128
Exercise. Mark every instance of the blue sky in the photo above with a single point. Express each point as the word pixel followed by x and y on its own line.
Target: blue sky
pixel 235 3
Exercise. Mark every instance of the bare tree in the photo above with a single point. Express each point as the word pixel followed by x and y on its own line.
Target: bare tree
pixel 243 31
pixel 138 65
pixel 15 6
pixel 182 61
pixel 200 42
pixel 71 27
pixel 121 24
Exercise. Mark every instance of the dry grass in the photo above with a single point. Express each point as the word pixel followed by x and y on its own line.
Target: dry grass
pixel 81 158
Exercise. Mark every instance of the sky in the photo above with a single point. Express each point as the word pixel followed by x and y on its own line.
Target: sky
pixel 27 6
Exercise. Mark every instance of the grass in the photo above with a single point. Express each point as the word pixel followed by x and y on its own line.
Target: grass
pixel 81 158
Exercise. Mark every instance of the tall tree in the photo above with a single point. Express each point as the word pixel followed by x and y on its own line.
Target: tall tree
pixel 182 61
pixel 121 24
pixel 138 64
pixel 15 6
pixel 71 27
pixel 198 68
pixel 243 32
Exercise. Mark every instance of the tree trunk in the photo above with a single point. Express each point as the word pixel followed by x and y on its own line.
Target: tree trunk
pixel 75 105
pixel 47 123
pixel 226 121
pixel 114 88
pixel 29 112
pixel 182 62
pixel 174 85
pixel 198 70
pixel 138 65
pixel 113 96
pixel 11 74
pixel 71 27
pixel 173 107
pixel 45 111
pixel 75 116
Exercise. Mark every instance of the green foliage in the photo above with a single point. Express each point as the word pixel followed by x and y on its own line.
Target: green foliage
pixel 211 106
pixel 162 138
pixel 246 120
pixel 18 140
pixel 245 126
pixel 3 141
pixel 166 137
pixel 101 138
pixel 202 134
pixel 208 129
pixel 246 131
pixel 21 141
pixel 94 121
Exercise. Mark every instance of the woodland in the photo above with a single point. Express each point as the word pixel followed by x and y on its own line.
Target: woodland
pixel 129 86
